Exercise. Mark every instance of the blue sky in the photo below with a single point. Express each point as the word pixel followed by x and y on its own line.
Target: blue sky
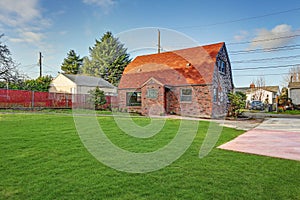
pixel 53 27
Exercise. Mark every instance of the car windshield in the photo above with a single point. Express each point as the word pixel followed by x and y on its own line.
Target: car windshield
pixel 256 102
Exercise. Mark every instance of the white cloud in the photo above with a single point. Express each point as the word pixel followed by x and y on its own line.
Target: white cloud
pixel 101 3
pixel 241 36
pixel 16 13
pixel 104 4
pixel 25 19
pixel 28 37
pixel 265 38
pixel 63 32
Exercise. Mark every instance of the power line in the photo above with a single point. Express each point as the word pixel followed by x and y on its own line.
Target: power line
pixel 266 67
pixel 238 20
pixel 271 49
pixel 280 48
pixel 29 66
pixel 256 75
pixel 49 67
pixel 264 40
pixel 266 59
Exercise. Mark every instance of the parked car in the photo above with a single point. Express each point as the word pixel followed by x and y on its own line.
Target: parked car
pixel 257 105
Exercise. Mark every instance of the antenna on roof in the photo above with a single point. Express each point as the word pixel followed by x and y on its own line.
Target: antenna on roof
pixel 158 45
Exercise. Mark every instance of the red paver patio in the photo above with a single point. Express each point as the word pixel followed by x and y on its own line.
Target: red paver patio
pixel 273 143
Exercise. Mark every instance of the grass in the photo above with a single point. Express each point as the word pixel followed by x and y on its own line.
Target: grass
pixel 49 110
pixel 288 112
pixel 62 111
pixel 42 157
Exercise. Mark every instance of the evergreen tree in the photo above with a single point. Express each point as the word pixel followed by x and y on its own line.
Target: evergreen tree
pixel 72 64
pixel 237 102
pixel 108 58
pixel 97 97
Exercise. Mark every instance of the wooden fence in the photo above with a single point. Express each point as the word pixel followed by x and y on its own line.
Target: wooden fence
pixel 33 99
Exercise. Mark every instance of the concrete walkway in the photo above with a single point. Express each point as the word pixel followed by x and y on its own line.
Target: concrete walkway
pixel 263 115
pixel 278 137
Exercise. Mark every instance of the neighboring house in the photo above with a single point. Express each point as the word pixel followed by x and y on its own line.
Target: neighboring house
pixel 187 82
pixel 80 84
pixel 266 94
pixel 294 92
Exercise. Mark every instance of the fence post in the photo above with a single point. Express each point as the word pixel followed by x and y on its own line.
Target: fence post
pixel 67 100
pixel 32 99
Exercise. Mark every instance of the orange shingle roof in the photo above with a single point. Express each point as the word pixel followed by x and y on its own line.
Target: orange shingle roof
pixel 186 66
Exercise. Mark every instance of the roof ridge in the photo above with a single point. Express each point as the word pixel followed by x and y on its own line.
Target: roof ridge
pixel 184 49
pixel 79 79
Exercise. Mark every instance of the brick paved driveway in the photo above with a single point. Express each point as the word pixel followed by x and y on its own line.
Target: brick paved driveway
pixel 279 137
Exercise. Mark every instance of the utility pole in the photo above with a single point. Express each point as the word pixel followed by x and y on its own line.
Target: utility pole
pixel 40 63
pixel 158 45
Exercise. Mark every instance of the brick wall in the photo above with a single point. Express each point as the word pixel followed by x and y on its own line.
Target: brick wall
pixel 122 102
pixel 154 105
pixel 200 106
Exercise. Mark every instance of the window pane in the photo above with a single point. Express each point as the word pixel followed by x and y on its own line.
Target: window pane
pixel 215 95
pixel 133 98
pixel 152 93
pixel 186 91
pixel 223 66
pixel 186 98
pixel 186 95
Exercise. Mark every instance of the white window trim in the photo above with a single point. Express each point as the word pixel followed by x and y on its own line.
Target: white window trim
pixel 181 89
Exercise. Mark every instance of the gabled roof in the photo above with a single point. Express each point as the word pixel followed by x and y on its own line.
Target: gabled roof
pixel 294 85
pixel 181 67
pixel 273 89
pixel 83 80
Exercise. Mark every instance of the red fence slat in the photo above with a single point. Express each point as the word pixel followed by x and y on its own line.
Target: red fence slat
pixel 32 99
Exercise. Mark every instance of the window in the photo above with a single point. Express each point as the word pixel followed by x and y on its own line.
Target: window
pixel 221 96
pixel 133 98
pixel 215 97
pixel 152 93
pixel 186 95
pixel 222 66
pixel 219 64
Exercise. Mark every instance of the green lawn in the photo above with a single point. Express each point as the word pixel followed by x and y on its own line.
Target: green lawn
pixel 52 111
pixel 42 157
pixel 289 112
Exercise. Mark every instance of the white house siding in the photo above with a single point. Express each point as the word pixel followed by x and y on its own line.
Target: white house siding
pixel 295 95
pixel 264 95
pixel 85 90
pixel 62 85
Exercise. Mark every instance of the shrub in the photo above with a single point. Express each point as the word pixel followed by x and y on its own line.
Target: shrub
pixel 97 98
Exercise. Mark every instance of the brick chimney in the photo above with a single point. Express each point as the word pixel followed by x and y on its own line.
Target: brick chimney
pixel 252 85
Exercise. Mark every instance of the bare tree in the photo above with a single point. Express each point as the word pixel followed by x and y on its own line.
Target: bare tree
pixel 8 68
pixel 258 91
pixel 293 75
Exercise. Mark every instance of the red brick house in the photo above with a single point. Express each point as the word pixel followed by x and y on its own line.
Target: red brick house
pixel 188 82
